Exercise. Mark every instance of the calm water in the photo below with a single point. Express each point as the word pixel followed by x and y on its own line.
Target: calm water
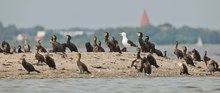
pixel 129 85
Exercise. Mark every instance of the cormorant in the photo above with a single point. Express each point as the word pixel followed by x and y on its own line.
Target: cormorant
pixel 95 45
pixel 149 44
pixel 116 47
pixel 72 47
pixel 165 55
pixel 177 52
pixel 110 44
pixel 210 64
pixel 183 68
pixel 89 47
pixel 144 46
pixel 82 67
pixel 26 46
pixel 39 57
pixel 152 60
pixel 41 48
pixel 100 49
pixel 57 47
pixel 205 57
pixel 188 59
pixel 158 52
pixel 6 47
pixel 195 55
pixel 50 61
pixel 146 66
pixel 19 49
pixel 28 66
pixel 137 62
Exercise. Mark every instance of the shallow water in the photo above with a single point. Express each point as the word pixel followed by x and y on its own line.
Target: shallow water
pixel 116 85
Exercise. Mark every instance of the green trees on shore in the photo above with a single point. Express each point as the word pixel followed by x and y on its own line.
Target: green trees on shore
pixel 162 34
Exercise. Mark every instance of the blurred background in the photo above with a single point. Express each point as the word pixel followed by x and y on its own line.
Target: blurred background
pixel 165 21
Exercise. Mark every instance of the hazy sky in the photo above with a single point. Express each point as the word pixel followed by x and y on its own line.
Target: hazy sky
pixel 109 13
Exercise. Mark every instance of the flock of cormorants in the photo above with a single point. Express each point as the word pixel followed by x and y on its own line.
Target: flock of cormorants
pixel 142 64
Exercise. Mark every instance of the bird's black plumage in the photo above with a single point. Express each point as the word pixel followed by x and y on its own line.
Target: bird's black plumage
pixel 188 59
pixel 6 47
pixel 72 47
pixel 152 60
pixel 89 47
pixel 50 61
pixel 196 56
pixel 27 66
pixel 40 58
pixel 19 49
pixel 57 47
pixel 82 67
pixel 177 52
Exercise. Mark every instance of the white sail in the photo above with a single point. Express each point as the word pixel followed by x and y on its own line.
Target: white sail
pixel 199 42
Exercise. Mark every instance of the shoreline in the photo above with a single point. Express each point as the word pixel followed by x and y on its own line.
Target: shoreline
pixel 101 65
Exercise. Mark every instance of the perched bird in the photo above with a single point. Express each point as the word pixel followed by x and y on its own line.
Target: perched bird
pixel 127 43
pixel 109 43
pixel 205 57
pixel 137 62
pixel 41 48
pixel 146 66
pixel 144 46
pixel 210 64
pixel 100 49
pixel 112 44
pixel 116 47
pixel 187 58
pixel 50 61
pixel 152 60
pixel 177 52
pixel 158 52
pixel 165 55
pixel 6 47
pixel 72 47
pixel 183 68
pixel 82 67
pixel 28 66
pixel 95 45
pixel 195 55
pixel 57 47
pixel 39 57
pixel 19 49
pixel 149 44
pixel 89 47
pixel 26 46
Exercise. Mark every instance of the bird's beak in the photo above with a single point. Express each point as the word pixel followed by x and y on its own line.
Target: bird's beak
pixel 120 33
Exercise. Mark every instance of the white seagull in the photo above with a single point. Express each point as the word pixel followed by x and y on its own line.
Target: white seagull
pixel 127 43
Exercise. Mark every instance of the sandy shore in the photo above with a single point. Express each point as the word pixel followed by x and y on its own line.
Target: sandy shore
pixel 112 65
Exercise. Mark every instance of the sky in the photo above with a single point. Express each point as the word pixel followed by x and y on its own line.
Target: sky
pixel 57 14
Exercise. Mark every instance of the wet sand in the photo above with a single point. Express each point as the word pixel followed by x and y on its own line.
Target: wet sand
pixel 101 65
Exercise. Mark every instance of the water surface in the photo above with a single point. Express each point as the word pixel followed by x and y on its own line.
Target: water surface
pixel 116 85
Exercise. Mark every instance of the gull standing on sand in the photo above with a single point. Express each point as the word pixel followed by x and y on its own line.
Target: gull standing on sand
pixel 127 43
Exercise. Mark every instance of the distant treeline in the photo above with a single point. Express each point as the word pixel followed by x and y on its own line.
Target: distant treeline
pixel 162 34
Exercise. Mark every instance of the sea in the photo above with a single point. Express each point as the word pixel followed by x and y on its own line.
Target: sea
pixel 122 85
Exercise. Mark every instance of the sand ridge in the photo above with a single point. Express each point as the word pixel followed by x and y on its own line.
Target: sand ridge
pixel 101 65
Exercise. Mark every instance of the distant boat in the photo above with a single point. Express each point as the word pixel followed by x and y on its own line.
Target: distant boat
pixel 199 42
